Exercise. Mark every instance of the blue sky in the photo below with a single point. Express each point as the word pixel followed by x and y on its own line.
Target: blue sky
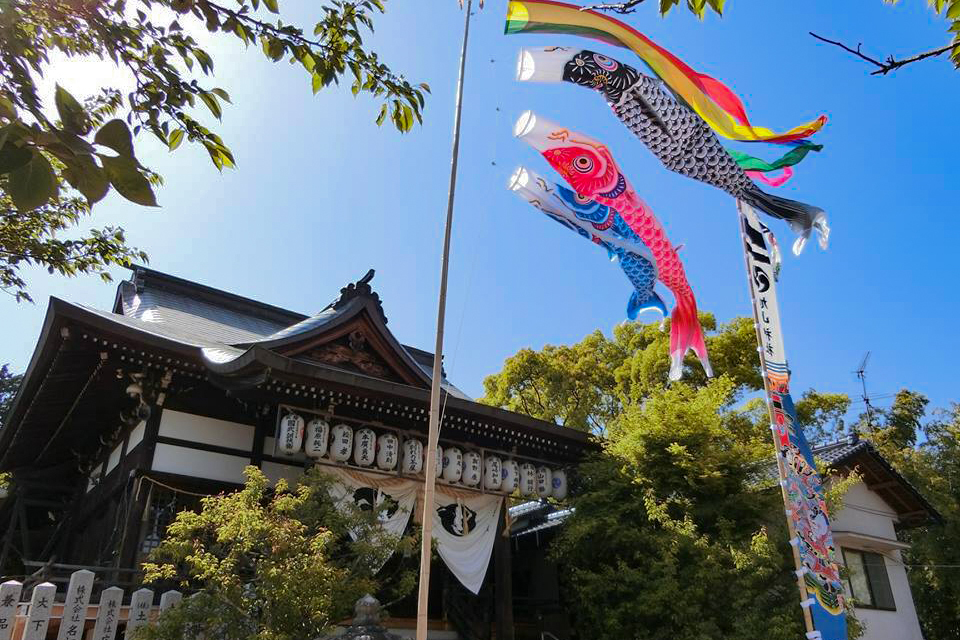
pixel 321 194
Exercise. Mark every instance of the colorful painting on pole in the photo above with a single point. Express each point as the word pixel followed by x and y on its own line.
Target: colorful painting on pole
pixel 806 509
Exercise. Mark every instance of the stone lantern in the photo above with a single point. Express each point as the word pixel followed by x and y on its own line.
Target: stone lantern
pixel 366 623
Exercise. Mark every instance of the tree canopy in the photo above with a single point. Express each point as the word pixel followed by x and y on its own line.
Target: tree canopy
pixel 679 514
pixel 9 385
pixel 275 564
pixel 57 160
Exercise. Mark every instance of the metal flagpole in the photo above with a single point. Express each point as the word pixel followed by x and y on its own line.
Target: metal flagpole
pixel 801 488
pixel 430 465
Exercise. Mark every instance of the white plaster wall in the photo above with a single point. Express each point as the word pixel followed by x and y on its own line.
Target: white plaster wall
pixel 114 458
pixel 200 464
pixel 867 513
pixel 275 471
pixel 187 426
pixel 901 624
pixel 136 436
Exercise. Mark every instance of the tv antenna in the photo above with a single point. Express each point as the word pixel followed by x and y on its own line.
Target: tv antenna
pixel 862 374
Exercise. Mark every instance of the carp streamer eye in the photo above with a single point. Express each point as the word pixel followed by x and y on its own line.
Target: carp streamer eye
pixel 581 199
pixel 583 164
pixel 605 62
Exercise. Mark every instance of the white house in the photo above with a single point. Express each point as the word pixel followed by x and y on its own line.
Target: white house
pixel 865 532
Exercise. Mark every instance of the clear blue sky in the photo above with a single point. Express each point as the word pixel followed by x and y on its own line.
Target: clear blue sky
pixel 321 194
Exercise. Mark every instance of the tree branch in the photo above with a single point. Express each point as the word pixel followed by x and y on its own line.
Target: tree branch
pixel 891 63
pixel 618 7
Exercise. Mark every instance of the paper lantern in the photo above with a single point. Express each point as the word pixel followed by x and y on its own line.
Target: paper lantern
pixel 341 443
pixel 388 447
pixel 511 476
pixel 559 484
pixel 412 456
pixel 364 447
pixel 439 461
pixel 318 436
pixel 452 464
pixel 528 479
pixel 492 473
pixel 544 482
pixel 290 438
pixel 472 468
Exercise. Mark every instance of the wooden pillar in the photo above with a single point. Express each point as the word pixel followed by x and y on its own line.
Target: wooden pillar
pixel 130 540
pixel 503 579
pixel 260 431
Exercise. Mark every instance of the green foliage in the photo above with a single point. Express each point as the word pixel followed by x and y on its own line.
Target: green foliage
pixel 678 529
pixel 673 536
pixel 584 386
pixel 9 385
pixel 950 9
pixel 61 166
pixel 274 564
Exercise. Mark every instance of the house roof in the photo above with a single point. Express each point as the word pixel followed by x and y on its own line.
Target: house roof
pixel 880 477
pixel 344 353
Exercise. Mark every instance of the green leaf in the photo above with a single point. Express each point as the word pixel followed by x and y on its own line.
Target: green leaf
pixel 223 94
pixel 126 178
pixel 13 157
pixel 316 82
pixel 116 135
pixel 72 114
pixel 272 5
pixel 33 184
pixel 176 137
pixel 425 86
pixel 87 177
pixel 954 11
pixel 382 116
pixel 7 108
pixel 211 101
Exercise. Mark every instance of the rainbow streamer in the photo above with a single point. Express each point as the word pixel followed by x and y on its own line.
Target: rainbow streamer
pixel 710 98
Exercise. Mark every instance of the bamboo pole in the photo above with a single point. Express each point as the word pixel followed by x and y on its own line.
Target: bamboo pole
pixel 430 465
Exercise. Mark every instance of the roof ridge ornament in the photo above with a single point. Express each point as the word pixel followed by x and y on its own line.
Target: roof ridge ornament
pixel 360 288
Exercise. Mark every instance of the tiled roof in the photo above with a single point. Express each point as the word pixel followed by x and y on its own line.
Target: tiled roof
pixel 200 319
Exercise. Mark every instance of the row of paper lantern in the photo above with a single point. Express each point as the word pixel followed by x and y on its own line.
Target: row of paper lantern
pixel 366 448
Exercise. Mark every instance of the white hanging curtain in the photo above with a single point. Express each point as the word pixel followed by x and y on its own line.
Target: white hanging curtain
pixel 396 496
pixel 465 528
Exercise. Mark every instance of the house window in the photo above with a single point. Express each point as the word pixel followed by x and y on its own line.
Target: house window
pixel 867 582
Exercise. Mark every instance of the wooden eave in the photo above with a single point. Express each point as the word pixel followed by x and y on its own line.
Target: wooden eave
pixel 913 510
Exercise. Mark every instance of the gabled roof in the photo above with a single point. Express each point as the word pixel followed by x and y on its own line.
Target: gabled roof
pixel 880 477
pixel 227 325
pixel 71 389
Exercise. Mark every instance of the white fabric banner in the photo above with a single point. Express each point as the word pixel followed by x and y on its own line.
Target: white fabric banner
pixel 465 527
pixel 396 496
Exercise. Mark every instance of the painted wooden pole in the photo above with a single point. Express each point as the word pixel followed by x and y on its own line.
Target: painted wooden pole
pixel 169 599
pixel 41 604
pixel 139 612
pixel 9 602
pixel 109 614
pixel 430 472
pixel 75 605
